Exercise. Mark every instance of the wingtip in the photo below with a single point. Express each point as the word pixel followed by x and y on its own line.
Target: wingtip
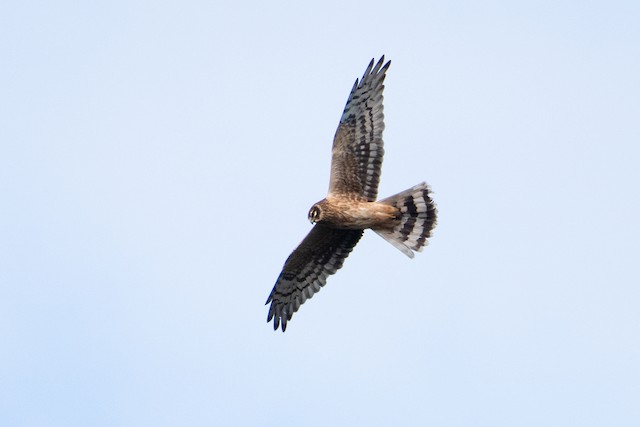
pixel 386 66
pixel 278 324
pixel 368 70
pixel 382 66
pixel 279 319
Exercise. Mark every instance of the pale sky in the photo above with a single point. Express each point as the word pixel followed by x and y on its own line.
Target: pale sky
pixel 157 162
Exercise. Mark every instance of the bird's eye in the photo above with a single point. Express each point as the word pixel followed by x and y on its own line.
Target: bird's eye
pixel 314 213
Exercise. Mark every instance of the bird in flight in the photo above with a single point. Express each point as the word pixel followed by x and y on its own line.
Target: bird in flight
pixel 405 220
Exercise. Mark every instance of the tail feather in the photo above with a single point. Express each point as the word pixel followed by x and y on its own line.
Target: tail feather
pixel 416 219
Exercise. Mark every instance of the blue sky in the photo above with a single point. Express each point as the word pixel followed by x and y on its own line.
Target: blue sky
pixel 157 161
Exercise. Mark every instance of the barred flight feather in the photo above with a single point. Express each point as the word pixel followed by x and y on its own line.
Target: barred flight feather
pixel 320 255
pixel 417 218
pixel 358 148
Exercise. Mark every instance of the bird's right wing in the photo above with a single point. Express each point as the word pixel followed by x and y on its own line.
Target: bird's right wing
pixel 320 254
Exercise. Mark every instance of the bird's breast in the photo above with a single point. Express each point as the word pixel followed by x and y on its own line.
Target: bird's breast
pixel 357 215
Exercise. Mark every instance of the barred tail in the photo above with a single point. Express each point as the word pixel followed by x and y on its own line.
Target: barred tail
pixel 417 217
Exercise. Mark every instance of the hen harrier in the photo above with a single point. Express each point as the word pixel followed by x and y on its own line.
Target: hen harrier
pixel 404 220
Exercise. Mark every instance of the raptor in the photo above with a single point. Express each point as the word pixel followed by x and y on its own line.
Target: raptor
pixel 405 220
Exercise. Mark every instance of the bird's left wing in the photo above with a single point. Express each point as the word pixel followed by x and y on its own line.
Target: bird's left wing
pixel 320 254
pixel 356 160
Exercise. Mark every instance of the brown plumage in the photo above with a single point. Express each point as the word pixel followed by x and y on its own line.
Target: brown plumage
pixel 405 220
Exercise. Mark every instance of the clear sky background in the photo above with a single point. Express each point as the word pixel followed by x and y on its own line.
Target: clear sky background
pixel 157 162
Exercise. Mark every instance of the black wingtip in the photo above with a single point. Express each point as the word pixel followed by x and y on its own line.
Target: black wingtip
pixel 386 66
pixel 368 70
pixel 381 60
pixel 278 320
pixel 277 324
pixel 379 68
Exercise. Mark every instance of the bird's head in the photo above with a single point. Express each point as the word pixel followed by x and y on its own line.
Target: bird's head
pixel 315 213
